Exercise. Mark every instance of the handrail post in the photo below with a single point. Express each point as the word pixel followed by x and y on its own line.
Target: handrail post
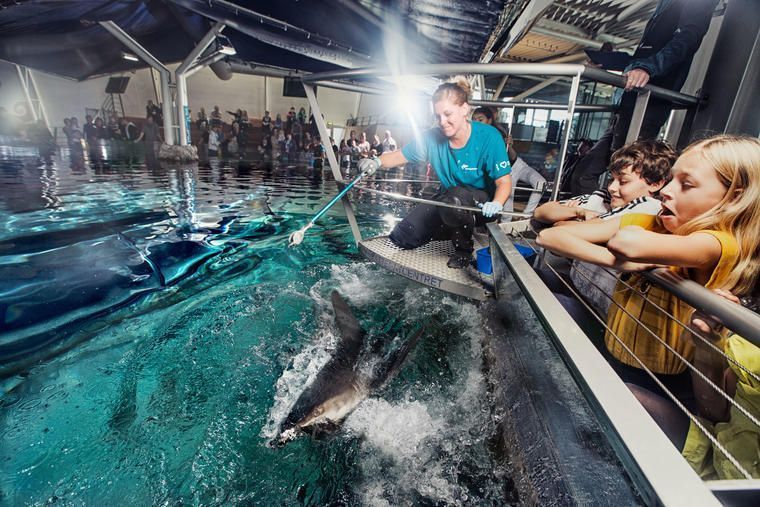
pixel 334 166
pixel 637 118
pixel 566 134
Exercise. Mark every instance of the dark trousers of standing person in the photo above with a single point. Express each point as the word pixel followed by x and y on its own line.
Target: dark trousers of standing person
pixel 427 222
pixel 586 171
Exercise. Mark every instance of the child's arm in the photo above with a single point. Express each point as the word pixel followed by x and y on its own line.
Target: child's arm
pixel 697 250
pixel 553 212
pixel 582 241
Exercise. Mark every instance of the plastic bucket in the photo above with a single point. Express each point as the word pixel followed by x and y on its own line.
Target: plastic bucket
pixel 483 261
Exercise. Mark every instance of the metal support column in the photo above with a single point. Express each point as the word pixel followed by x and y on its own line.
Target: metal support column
pixel 141 52
pixel 334 166
pixel 180 76
pixel 566 134
pixel 500 88
pixel 642 99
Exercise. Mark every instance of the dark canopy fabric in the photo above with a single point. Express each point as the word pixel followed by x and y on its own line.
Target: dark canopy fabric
pixel 64 37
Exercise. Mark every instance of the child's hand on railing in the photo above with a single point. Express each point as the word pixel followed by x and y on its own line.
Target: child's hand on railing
pixel 707 325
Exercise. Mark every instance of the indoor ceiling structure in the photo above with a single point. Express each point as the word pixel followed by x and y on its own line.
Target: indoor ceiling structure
pixel 65 38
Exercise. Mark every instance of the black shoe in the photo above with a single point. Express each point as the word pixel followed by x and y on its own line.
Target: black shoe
pixel 459 260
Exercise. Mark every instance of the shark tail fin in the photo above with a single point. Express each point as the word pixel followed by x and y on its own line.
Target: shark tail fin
pixel 396 360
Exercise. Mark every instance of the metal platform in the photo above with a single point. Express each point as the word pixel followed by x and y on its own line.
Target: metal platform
pixel 427 265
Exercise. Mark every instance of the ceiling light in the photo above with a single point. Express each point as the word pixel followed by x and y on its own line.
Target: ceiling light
pixel 129 56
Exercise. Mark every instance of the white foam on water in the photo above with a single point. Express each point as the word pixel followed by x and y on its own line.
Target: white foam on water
pixel 398 451
pixel 411 449
pixel 300 373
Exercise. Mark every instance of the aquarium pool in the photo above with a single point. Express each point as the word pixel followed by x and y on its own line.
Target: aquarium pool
pixel 156 329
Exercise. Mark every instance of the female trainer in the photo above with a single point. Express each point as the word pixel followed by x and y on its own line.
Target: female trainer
pixel 471 162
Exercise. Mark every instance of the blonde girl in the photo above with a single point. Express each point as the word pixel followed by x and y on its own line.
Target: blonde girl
pixel 707 231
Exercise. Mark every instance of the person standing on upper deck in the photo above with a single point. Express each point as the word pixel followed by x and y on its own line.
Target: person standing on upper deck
pixel 471 162
pixel 662 58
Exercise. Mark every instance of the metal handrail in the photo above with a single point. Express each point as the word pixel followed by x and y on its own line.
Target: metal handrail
pixel 738 319
pixel 524 69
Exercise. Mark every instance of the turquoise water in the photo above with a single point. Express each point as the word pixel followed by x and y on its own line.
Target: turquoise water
pixel 156 330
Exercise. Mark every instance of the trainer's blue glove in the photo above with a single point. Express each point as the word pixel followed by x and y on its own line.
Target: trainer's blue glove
pixel 491 208
pixel 368 166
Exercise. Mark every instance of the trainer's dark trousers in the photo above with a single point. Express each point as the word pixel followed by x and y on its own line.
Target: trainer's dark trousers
pixel 427 222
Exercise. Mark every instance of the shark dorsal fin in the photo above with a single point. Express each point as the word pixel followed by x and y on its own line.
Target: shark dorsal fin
pixel 351 333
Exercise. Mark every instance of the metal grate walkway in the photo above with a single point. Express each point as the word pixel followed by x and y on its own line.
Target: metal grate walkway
pixel 427 265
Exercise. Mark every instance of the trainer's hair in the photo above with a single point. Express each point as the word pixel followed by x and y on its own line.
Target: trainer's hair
pixel 457 89
pixel 736 162
pixel 650 159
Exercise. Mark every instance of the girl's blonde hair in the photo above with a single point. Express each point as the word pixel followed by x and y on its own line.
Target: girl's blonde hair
pixel 457 89
pixel 736 161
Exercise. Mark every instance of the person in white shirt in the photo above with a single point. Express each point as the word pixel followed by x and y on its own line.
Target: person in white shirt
pixel 214 137
pixel 364 145
pixel 389 144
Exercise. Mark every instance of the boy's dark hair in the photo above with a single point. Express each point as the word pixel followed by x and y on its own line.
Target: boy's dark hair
pixel 650 159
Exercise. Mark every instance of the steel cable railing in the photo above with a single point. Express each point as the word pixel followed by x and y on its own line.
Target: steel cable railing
pixel 669 315
pixel 654 377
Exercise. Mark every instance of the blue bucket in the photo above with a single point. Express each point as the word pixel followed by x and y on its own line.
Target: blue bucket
pixel 483 259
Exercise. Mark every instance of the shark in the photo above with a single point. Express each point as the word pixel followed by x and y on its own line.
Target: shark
pixel 340 386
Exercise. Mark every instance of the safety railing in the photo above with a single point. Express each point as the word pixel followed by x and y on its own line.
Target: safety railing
pixel 654 464
pixel 351 80
pixel 733 317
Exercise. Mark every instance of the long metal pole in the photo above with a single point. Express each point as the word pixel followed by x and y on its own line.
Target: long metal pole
pixel 521 69
pixel 180 76
pixel 144 54
pixel 566 134
pixel 334 166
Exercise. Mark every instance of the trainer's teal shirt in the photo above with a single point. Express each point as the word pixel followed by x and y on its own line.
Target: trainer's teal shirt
pixel 477 164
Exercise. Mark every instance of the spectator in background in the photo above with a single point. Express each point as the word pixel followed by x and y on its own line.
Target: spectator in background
pixel 297 133
pixel 99 130
pixel 364 145
pixel 377 145
pixel 67 130
pixel 113 127
pixel 278 122
pixel 290 120
pixel 245 123
pixel 265 150
pixel 127 130
pixel 150 135
pixel 202 117
pixel 550 163
pixel 302 116
pixel 153 110
pixel 389 144
pixel 319 152
pixel 88 129
pixel 216 117
pixel 266 124
pixel 214 139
